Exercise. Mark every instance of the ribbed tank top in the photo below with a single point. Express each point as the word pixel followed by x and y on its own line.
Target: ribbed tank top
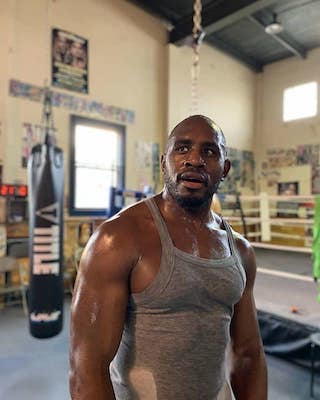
pixel 176 331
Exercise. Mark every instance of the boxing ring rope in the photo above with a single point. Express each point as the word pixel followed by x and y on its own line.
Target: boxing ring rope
pixel 265 215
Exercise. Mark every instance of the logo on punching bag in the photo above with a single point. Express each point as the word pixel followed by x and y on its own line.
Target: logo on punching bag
pixel 46 243
pixel 50 213
pixel 45 317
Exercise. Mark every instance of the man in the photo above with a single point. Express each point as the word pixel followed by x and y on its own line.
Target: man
pixel 60 47
pixel 77 55
pixel 161 287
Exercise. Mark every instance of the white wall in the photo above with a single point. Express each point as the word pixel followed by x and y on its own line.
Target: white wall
pixel 275 78
pixel 127 68
pixel 272 132
pixel 132 67
pixel 226 92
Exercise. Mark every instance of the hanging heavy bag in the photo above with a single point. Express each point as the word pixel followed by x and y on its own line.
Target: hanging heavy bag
pixel 46 188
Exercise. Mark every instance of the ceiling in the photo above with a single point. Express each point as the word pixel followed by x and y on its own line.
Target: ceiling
pixel 237 27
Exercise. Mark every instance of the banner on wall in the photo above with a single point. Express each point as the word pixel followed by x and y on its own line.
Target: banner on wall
pixel 69 61
pixel 71 103
pixel 303 154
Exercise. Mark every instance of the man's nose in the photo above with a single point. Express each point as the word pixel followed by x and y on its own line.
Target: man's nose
pixel 194 159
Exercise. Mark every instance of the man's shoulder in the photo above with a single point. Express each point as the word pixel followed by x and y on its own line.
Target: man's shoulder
pixel 136 210
pixel 246 253
pixel 119 237
pixel 244 247
pixel 127 223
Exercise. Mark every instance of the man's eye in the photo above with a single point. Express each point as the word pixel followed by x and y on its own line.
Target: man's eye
pixel 182 149
pixel 210 152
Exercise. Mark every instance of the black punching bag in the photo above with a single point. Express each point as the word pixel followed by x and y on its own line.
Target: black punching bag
pixel 46 188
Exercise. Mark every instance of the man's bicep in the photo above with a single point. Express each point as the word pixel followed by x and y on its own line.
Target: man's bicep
pixel 248 367
pixel 99 302
pixel 244 325
pixel 245 334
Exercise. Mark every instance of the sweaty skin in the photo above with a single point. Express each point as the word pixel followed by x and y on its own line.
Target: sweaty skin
pixel 123 257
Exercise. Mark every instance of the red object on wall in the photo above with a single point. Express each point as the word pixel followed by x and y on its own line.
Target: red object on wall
pixel 7 190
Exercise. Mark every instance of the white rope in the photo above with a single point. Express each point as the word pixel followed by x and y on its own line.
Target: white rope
pixel 197 36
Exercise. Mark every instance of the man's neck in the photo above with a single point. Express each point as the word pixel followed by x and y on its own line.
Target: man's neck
pixel 172 209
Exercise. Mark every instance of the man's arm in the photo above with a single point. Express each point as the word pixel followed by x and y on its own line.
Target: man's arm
pixel 248 368
pixel 98 311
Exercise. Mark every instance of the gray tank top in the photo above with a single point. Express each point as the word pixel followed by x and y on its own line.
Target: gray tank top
pixel 176 331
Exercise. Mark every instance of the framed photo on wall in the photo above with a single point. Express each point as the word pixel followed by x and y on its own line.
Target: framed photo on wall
pixel 288 209
pixel 288 188
pixel 69 61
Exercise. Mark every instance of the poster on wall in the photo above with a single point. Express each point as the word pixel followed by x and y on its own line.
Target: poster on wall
pixel 155 166
pixel 288 209
pixel 288 188
pixel 30 136
pixel 69 61
pixel 247 170
pixel 315 180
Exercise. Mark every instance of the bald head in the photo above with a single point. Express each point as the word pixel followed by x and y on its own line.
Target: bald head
pixel 199 119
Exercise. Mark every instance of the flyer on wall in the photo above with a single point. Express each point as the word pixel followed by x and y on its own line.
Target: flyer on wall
pixel 69 61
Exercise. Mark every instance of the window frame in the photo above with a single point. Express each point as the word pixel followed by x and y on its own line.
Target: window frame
pixel 121 129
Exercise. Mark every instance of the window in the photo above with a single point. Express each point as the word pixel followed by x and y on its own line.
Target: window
pixel 300 101
pixel 96 164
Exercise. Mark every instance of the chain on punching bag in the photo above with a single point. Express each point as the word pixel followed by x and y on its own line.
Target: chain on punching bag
pixel 46 188
pixel 197 37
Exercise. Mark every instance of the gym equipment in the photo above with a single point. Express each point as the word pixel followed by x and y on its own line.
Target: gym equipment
pixel 316 243
pixel 118 198
pixel 46 188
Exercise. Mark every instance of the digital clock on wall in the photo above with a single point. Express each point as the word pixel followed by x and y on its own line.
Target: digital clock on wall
pixel 9 190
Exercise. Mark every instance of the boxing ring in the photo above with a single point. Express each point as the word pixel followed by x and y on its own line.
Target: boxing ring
pixel 280 228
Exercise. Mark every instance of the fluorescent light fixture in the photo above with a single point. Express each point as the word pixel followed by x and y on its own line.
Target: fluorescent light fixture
pixel 275 27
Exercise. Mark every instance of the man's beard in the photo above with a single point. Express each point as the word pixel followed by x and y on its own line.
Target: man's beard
pixel 188 201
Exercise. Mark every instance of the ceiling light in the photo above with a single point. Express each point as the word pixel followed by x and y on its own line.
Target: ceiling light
pixel 275 27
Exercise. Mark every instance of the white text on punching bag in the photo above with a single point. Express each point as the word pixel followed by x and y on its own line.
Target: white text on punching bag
pixel 46 250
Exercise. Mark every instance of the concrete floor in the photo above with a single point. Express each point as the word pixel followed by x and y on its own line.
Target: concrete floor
pixel 33 369
pixel 284 280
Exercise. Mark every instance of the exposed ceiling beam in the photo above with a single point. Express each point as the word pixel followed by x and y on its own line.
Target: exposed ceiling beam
pixel 218 14
pixel 248 61
pixel 166 15
pixel 283 39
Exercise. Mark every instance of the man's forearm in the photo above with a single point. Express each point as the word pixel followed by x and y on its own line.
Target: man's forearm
pixel 85 386
pixel 249 377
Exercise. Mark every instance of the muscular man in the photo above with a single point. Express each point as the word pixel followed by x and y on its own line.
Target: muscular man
pixel 165 286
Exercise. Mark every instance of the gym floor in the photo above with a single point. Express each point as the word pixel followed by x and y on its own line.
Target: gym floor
pixel 284 284
pixel 33 369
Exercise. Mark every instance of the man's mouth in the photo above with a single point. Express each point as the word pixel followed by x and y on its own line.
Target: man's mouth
pixel 193 180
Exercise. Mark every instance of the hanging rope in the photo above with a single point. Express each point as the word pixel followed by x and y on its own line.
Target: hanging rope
pixel 197 36
pixel 47 123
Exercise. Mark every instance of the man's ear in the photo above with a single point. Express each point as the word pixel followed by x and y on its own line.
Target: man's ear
pixel 227 166
pixel 163 162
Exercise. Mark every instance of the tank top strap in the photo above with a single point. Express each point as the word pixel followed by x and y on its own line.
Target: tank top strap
pixel 231 240
pixel 234 249
pixel 164 234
